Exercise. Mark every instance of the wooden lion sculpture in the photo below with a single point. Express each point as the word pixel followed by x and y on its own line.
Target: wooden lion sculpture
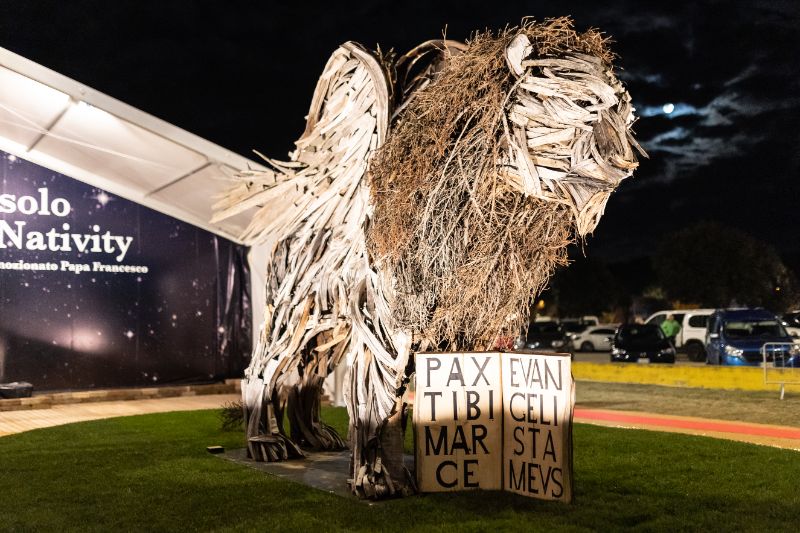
pixel 429 199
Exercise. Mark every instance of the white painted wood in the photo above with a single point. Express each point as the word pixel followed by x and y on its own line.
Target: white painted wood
pixel 539 398
pixel 458 421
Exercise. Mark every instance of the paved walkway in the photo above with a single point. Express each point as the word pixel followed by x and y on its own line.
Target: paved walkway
pixel 25 420
pixel 779 436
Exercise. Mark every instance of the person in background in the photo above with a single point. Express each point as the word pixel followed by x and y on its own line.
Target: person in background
pixel 504 341
pixel 671 328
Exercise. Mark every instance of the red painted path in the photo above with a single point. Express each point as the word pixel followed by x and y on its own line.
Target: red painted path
pixel 688 424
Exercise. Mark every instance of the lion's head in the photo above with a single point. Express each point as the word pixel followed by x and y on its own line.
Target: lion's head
pixel 506 151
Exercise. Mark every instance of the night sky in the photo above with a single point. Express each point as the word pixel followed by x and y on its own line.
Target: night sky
pixel 242 76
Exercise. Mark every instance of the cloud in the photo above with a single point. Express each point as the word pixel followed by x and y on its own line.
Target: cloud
pixel 625 20
pixel 648 78
pixel 748 72
pixel 679 109
pixel 693 152
pixel 730 122
pixel 676 134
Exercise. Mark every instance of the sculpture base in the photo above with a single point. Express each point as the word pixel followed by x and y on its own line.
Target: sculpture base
pixel 327 471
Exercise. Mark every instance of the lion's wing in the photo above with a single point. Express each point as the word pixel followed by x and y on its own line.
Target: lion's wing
pixel 312 211
pixel 347 121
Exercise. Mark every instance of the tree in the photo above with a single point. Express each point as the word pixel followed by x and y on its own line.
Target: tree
pixel 718 266
pixel 587 286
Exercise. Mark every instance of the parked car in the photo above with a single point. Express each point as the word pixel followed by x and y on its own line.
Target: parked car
pixel 736 337
pixel 634 342
pixel 791 321
pixel 692 336
pixel 595 338
pixel 545 336
pixel 573 326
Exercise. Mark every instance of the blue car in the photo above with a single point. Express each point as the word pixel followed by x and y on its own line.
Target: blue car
pixel 737 336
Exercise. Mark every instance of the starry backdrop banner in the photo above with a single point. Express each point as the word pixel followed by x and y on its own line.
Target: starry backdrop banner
pixel 99 291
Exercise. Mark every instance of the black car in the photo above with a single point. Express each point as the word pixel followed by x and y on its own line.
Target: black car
pixel 633 342
pixel 545 336
pixel 791 321
pixel 574 326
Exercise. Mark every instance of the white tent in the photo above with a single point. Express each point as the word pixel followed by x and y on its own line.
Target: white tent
pixel 72 129
pixel 61 124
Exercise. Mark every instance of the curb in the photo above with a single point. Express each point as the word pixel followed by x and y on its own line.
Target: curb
pixel 48 400
pixel 702 377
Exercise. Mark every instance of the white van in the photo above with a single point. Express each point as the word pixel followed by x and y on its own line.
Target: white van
pixel 692 336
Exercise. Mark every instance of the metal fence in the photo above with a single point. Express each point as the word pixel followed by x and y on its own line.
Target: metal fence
pixel 781 363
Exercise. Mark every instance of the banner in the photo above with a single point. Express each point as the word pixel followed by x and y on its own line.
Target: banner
pixel 98 291
pixel 494 421
pixel 538 396
pixel 458 421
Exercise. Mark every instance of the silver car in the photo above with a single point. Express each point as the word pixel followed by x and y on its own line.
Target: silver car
pixel 593 339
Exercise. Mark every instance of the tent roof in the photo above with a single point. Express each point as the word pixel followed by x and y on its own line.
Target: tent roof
pixel 63 125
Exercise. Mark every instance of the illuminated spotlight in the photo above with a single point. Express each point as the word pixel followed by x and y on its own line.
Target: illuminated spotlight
pixel 129 334
pixel 102 198
pixel 668 108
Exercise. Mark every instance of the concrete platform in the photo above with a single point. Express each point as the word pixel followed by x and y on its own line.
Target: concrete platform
pixel 327 471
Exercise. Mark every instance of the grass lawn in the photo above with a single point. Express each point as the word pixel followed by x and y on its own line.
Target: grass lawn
pixel 746 406
pixel 152 473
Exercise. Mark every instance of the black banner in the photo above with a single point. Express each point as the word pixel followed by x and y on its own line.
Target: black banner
pixel 98 291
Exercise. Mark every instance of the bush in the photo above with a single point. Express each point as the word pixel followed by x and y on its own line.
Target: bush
pixel 232 416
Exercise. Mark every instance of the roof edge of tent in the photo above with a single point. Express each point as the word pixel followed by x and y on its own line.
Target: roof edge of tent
pixel 83 93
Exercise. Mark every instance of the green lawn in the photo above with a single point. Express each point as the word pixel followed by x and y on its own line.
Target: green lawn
pixel 152 473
